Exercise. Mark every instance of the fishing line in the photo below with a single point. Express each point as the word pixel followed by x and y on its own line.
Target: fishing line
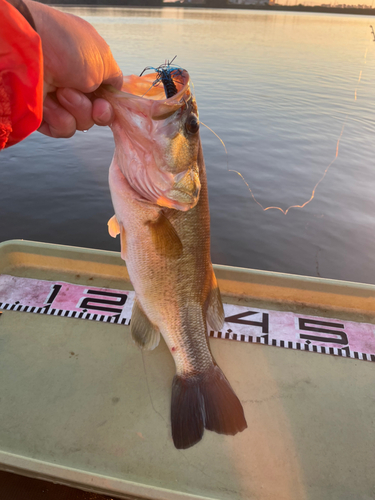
pixel 222 142
pixel 249 188
pixel 360 76
pixel 325 171
pixel 313 191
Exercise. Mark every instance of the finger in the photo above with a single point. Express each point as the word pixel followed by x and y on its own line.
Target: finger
pixel 102 112
pixel 91 84
pixel 117 80
pixel 57 121
pixel 112 74
pixel 78 105
pixel 44 129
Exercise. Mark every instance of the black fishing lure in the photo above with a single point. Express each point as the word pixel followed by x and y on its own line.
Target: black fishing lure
pixel 167 75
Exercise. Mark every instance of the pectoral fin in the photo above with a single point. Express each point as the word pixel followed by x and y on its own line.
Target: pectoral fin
pixel 165 237
pixel 144 333
pixel 113 227
pixel 215 312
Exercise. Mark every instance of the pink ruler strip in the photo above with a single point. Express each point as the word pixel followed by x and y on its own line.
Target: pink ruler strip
pixel 65 299
pixel 299 331
pixel 244 324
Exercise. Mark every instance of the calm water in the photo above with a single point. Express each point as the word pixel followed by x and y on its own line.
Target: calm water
pixel 278 88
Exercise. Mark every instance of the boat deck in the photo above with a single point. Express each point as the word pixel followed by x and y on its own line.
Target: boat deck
pixel 81 405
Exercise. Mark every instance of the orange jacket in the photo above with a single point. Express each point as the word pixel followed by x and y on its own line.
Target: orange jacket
pixel 21 77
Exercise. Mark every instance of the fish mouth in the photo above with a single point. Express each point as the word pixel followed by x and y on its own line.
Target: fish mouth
pixel 146 97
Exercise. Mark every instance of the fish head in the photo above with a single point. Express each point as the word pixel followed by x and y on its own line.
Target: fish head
pixel 176 154
pixel 157 139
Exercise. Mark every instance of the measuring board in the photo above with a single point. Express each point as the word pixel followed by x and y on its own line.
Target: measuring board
pixel 243 324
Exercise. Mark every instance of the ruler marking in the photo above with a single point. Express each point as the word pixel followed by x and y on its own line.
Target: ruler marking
pixel 279 329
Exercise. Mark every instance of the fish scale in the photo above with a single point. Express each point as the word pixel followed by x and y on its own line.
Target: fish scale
pixel 162 215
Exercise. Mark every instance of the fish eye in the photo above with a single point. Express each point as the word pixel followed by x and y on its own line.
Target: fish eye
pixel 192 124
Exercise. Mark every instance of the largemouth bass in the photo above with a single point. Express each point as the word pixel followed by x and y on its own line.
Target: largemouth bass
pixel 158 186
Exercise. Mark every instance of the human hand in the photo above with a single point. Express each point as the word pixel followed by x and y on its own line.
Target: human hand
pixel 76 61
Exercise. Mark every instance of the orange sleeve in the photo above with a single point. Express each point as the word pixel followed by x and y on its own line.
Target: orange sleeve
pixel 21 77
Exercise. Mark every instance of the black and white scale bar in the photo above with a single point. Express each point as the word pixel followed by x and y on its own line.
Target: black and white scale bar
pixel 335 351
pixel 351 337
pixel 64 313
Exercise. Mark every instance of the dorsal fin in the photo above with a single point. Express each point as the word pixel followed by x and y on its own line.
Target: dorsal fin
pixel 215 312
pixel 123 242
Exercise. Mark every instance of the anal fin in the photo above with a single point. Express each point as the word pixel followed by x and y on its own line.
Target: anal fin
pixel 144 333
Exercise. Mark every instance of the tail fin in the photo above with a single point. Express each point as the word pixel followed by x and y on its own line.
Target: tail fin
pixel 204 401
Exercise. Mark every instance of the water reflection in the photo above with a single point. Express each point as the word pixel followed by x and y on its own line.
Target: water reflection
pixel 277 88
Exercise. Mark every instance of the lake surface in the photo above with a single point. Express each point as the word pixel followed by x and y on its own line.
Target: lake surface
pixel 280 89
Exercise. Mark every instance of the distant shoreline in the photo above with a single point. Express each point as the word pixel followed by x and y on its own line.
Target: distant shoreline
pixel 303 8
pixel 212 4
